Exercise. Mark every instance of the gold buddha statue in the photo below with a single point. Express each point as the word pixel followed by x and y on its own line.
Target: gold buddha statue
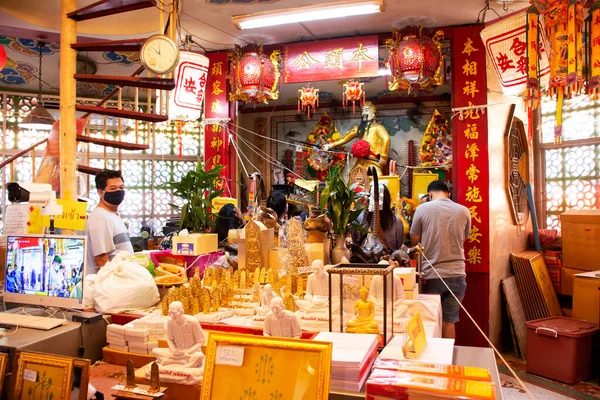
pixel 364 315
pixel 374 133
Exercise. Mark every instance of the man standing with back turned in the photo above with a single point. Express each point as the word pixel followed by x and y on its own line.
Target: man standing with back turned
pixel 442 226
pixel 107 234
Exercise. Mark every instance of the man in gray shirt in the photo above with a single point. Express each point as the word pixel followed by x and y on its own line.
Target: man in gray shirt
pixel 442 226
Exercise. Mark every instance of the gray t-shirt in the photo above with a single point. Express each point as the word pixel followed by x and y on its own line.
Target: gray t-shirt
pixel 443 226
pixel 106 233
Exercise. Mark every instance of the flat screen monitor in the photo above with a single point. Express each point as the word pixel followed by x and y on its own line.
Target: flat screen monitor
pixel 45 270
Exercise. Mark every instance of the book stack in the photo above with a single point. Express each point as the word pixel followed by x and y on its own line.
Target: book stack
pixel 409 281
pixel 397 379
pixel 351 359
pixel 139 336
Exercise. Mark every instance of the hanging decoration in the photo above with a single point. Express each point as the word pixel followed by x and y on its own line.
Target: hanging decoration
pixel 308 97
pixel 254 77
pixel 593 85
pixel 436 146
pixel 353 91
pixel 321 162
pixel 414 60
pixel 563 20
pixel 3 57
pixel 532 92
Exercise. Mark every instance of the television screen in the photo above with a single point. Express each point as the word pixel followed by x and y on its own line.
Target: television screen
pixel 46 270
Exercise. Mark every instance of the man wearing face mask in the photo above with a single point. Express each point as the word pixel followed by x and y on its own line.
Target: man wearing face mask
pixel 374 133
pixel 107 233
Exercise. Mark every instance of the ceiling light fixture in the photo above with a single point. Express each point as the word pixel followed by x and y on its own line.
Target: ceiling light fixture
pixel 305 14
pixel 39 118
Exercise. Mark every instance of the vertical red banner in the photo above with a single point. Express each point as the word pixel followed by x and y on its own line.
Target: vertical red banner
pixel 470 134
pixel 216 106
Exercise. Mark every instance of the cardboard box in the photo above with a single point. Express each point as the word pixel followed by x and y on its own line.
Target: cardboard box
pixel 408 276
pixel 586 296
pixel 412 294
pixel 581 239
pixel 318 251
pixel 566 280
pixel 195 244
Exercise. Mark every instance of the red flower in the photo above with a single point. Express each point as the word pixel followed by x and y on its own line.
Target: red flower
pixel 361 149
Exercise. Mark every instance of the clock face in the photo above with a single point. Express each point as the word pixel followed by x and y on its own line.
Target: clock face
pixel 159 54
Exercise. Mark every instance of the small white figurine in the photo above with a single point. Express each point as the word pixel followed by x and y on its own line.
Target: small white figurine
pixel 265 300
pixel 185 338
pixel 280 322
pixel 318 282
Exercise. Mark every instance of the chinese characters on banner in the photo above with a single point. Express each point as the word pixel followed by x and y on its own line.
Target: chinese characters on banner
pixel 331 59
pixel 506 43
pixel 470 138
pixel 216 137
pixel 185 102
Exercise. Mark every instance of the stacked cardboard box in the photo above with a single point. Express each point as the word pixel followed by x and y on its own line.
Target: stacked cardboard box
pixel 553 261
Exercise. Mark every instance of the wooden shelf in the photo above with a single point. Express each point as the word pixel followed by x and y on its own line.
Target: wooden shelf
pixel 88 170
pixel 134 81
pixel 113 112
pixel 110 45
pixel 104 8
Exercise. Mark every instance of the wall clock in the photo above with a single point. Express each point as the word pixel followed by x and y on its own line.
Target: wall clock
pixel 159 54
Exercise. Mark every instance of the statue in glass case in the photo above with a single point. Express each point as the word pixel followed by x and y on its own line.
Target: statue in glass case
pixel 364 315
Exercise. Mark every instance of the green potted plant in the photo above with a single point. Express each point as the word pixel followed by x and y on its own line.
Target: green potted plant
pixel 340 202
pixel 197 188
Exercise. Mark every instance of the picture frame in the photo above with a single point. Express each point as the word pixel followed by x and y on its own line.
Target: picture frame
pixel 3 363
pixel 80 373
pixel 39 375
pixel 265 367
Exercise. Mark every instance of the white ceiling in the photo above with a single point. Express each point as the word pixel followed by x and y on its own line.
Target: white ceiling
pixel 211 27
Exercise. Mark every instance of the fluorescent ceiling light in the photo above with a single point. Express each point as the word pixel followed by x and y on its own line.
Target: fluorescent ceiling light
pixel 305 14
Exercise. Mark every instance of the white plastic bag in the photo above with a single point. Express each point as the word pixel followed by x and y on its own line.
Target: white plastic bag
pixel 88 291
pixel 124 285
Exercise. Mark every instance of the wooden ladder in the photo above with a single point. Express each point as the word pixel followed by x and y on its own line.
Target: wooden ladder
pixel 105 8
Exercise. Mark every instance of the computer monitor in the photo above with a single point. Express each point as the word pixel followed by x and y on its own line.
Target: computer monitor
pixel 45 270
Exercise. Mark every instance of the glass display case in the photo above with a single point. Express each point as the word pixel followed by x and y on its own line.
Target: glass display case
pixel 361 299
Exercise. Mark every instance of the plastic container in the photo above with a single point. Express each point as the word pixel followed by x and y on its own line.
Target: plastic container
pixel 560 348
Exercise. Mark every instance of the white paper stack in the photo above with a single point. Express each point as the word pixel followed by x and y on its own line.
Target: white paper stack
pixel 139 336
pixel 115 336
pixel 351 360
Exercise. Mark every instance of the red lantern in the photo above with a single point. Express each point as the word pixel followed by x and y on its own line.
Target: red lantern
pixel 254 76
pixel 2 57
pixel 353 91
pixel 308 97
pixel 414 60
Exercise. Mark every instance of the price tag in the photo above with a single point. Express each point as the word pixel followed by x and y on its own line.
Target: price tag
pixel 305 270
pixel 350 280
pixel 230 355
pixel 30 375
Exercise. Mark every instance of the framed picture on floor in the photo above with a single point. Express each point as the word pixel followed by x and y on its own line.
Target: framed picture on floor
pixel 79 380
pixel 265 368
pixel 3 362
pixel 41 376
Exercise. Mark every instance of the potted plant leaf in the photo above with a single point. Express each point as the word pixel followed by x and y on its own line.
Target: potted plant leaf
pixel 340 202
pixel 197 188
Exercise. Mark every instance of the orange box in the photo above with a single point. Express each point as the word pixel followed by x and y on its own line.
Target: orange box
pixel 581 239
pixel 566 280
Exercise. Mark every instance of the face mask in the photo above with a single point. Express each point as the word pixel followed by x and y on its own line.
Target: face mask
pixel 115 198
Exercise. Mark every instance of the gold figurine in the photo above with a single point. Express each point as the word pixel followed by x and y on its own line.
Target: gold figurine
pixel 364 315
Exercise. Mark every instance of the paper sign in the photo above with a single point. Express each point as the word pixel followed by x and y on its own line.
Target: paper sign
pixel 230 355
pixel 15 219
pixel 219 202
pixel 416 332
pixel 74 215
pixel 36 221
pixel 30 375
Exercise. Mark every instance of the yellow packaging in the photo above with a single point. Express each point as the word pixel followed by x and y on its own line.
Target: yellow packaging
pixel 420 367
pixel 412 294
pixel 586 292
pixel 317 251
pixel 267 243
pixel 195 244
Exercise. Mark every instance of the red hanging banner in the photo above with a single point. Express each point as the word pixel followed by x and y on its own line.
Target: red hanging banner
pixel 356 57
pixel 216 106
pixel 470 137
